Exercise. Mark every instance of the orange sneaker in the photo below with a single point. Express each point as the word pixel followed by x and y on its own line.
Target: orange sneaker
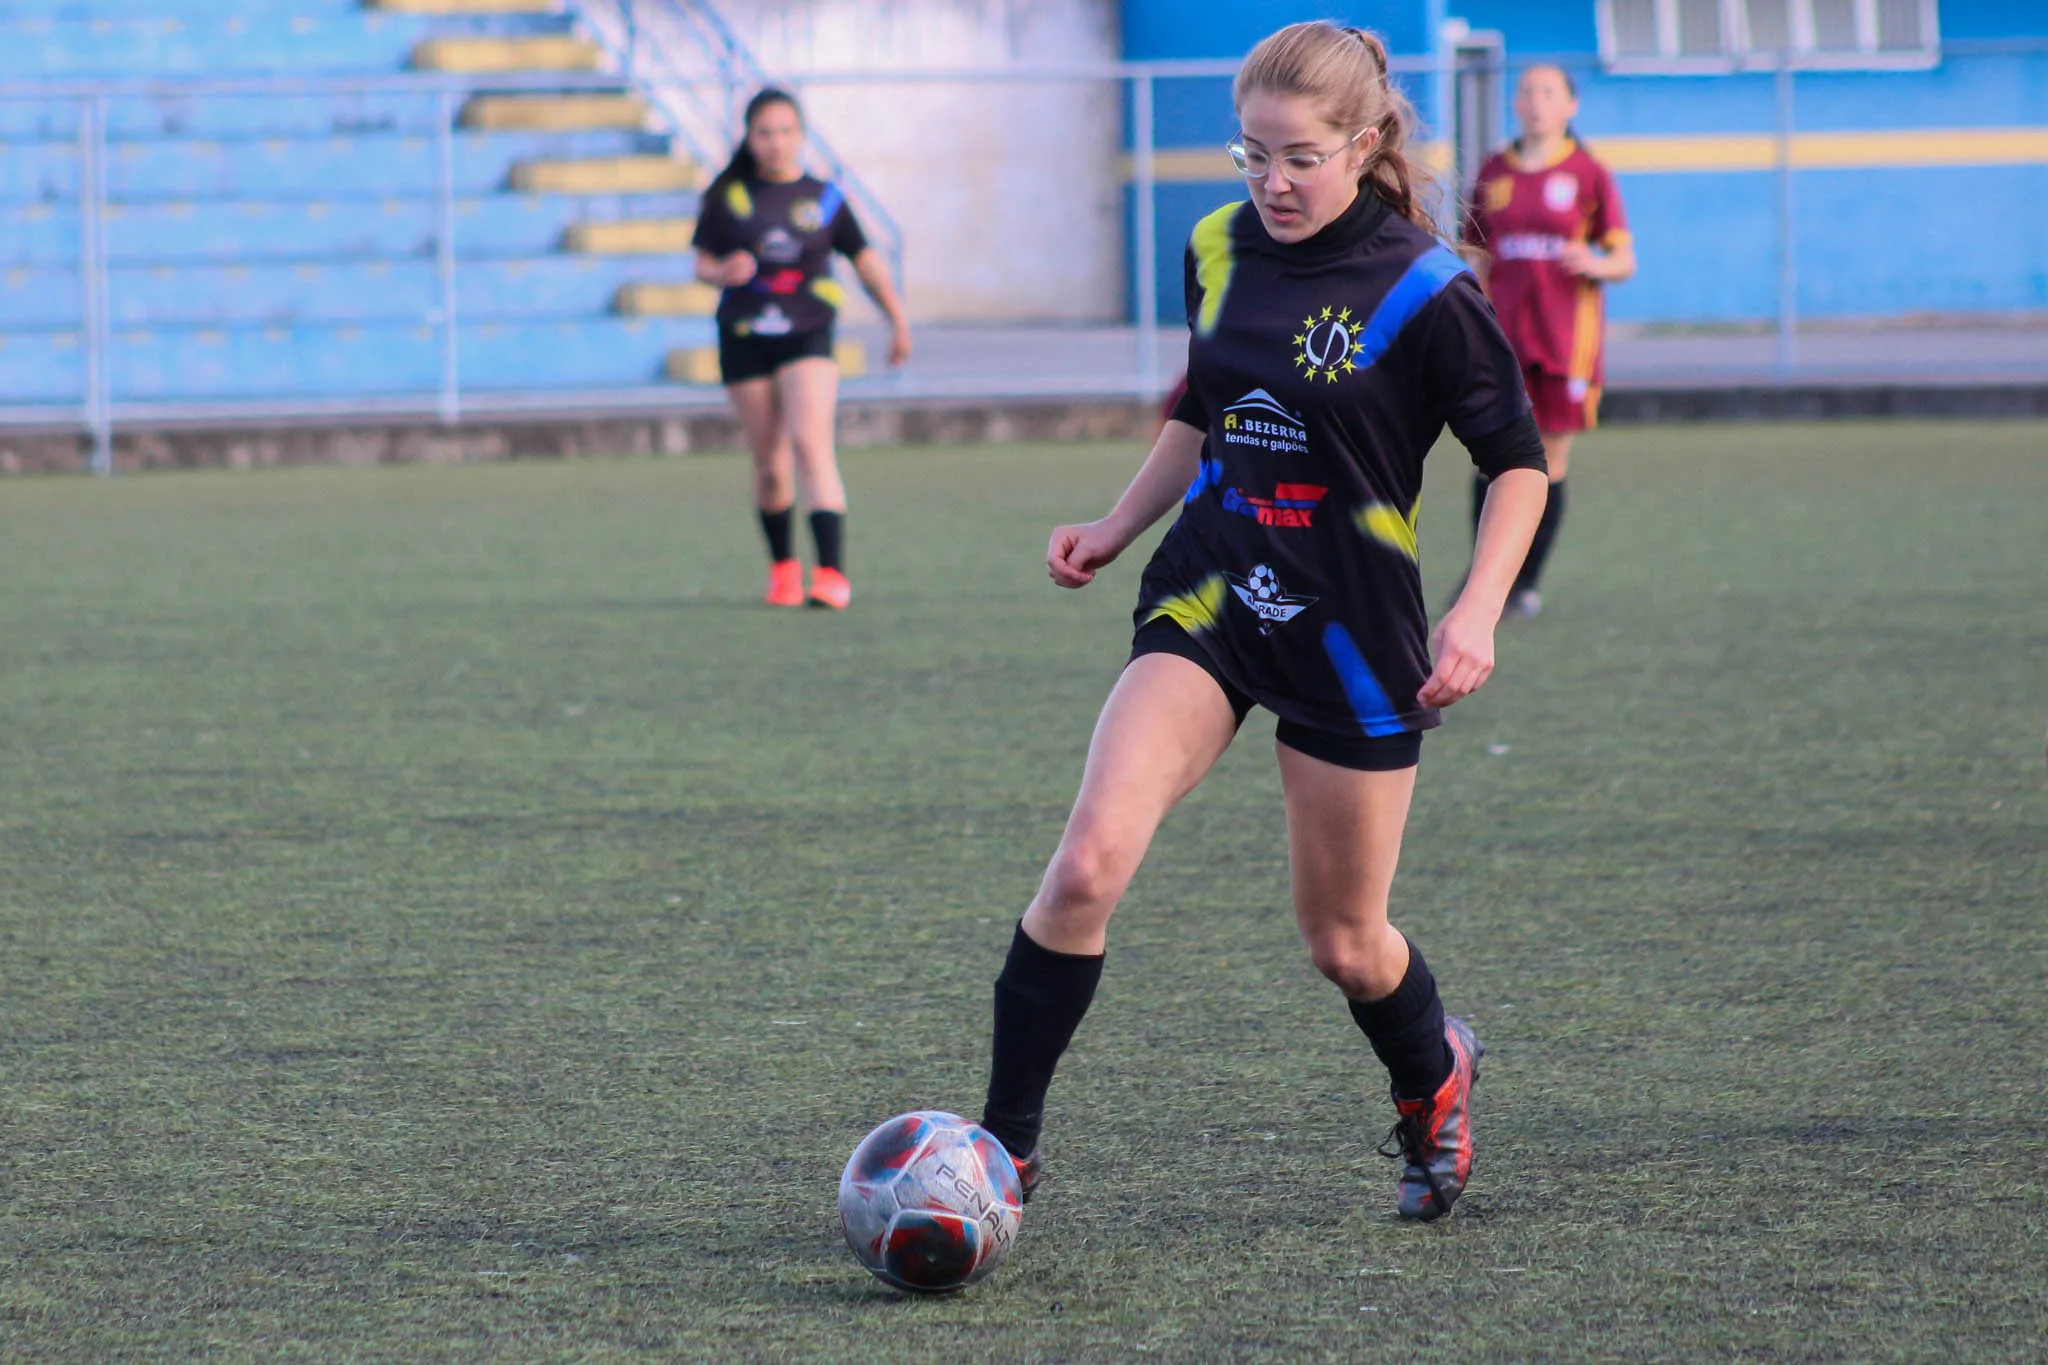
pixel 829 588
pixel 785 583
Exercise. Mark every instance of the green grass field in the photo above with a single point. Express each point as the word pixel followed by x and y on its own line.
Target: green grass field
pixel 443 918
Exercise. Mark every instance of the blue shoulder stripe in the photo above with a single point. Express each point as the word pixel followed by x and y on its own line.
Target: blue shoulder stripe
pixel 1423 281
pixel 828 204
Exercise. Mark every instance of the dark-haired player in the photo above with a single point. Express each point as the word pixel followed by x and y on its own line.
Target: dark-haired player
pixel 765 235
pixel 1333 339
pixel 1546 230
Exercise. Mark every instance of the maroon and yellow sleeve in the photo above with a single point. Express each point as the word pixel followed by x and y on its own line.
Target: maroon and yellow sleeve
pixel 1607 226
pixel 1478 211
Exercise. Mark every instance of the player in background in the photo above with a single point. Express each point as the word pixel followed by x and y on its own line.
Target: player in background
pixel 1546 231
pixel 1333 338
pixel 765 236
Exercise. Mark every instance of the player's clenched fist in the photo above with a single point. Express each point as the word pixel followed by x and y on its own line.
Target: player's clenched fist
pixel 1076 552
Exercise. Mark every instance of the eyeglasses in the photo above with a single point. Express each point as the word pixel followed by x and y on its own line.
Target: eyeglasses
pixel 1296 168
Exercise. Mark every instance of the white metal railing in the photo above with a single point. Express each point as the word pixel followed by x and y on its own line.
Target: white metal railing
pixel 687 61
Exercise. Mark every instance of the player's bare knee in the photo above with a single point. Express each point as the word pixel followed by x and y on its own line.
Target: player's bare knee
pixel 1085 879
pixel 774 488
pixel 1358 967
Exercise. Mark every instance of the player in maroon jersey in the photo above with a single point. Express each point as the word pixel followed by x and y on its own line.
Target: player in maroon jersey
pixel 1545 232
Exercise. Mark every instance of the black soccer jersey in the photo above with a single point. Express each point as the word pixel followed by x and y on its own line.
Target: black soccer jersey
pixel 1323 372
pixel 792 229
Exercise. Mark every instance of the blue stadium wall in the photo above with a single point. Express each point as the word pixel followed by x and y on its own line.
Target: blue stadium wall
pixel 1915 192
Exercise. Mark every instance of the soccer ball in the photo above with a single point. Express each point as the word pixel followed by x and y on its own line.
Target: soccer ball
pixel 1263 583
pixel 930 1202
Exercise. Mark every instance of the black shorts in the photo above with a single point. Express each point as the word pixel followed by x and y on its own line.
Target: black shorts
pixel 757 357
pixel 1363 753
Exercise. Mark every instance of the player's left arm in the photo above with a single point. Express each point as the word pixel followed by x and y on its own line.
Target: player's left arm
pixel 874 278
pixel 1471 378
pixel 1608 254
pixel 851 241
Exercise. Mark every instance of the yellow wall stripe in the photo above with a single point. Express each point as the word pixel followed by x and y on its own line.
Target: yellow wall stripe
pixel 1897 148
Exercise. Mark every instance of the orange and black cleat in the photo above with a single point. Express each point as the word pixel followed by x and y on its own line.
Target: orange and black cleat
pixel 1030 1172
pixel 1433 1137
pixel 785 583
pixel 829 588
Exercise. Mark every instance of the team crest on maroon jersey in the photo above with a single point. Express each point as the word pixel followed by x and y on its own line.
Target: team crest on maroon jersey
pixel 1560 191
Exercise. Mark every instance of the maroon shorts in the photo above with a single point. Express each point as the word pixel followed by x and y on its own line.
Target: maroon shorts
pixel 1562 404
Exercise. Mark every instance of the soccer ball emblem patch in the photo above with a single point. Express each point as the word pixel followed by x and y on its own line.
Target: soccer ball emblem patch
pixel 1261 591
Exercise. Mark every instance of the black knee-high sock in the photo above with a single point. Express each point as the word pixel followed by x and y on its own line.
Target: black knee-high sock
pixel 777 527
pixel 828 530
pixel 1040 998
pixel 1546 536
pixel 1480 483
pixel 1406 1030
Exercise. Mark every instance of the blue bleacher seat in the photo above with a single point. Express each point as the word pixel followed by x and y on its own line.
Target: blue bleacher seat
pixel 285 246
pixel 338 166
pixel 191 365
pixel 509 226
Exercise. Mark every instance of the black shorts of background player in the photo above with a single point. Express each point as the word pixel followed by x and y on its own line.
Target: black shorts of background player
pixel 766 234
pixel 1334 337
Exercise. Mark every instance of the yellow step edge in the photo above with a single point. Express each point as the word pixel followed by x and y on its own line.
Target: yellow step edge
pixel 541 52
pixel 555 113
pixel 606 175
pixel 631 237
pixel 462 6
pixel 686 299
pixel 699 364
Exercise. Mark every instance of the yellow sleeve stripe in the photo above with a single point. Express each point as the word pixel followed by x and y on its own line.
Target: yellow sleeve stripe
pixel 1211 245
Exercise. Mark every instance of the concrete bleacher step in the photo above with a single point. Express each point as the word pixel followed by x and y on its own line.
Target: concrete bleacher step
pixel 259 41
pixel 500 55
pixel 666 299
pixel 556 113
pixel 494 226
pixel 631 237
pixel 607 175
pixel 699 364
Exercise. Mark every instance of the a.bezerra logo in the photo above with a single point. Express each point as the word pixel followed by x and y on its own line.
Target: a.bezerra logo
pixel 1261 591
pixel 1259 421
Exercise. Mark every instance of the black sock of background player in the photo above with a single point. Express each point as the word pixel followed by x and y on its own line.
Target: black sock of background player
pixel 777 526
pixel 1040 998
pixel 828 530
pixel 1480 483
pixel 1406 1030
pixel 1546 536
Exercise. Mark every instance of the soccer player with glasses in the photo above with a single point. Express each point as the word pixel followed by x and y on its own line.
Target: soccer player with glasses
pixel 1333 338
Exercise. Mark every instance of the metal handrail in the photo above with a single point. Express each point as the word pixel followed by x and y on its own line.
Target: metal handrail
pixel 97 409
pixel 659 45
